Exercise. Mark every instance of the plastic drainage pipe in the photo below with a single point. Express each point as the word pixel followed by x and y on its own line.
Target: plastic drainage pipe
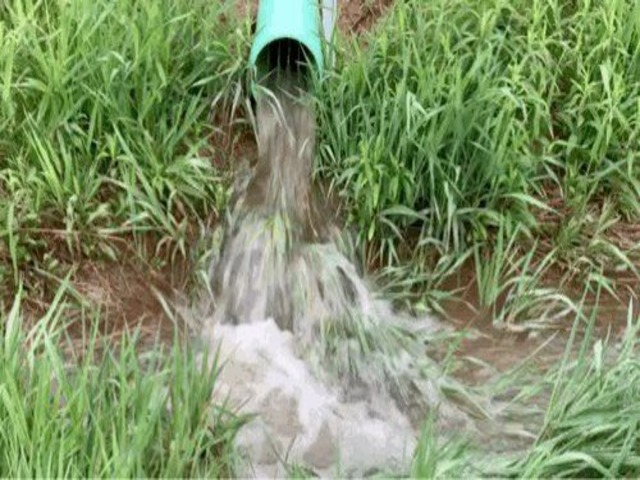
pixel 288 36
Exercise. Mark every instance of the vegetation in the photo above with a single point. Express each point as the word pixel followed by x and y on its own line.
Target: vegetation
pixel 105 108
pixel 501 134
pixel 503 131
pixel 590 425
pixel 120 416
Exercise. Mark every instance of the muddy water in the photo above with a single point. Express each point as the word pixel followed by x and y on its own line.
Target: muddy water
pixel 505 345
pixel 337 378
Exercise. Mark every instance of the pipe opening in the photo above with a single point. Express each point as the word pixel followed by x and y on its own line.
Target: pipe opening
pixel 283 55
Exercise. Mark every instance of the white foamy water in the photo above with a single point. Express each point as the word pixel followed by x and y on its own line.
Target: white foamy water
pixel 303 421
pixel 334 374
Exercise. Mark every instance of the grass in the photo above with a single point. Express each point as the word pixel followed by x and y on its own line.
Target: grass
pixel 105 120
pixel 66 415
pixel 104 113
pixel 591 423
pixel 498 134
pixel 590 427
pixel 464 122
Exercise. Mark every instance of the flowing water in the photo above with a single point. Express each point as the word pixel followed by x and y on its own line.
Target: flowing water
pixel 340 381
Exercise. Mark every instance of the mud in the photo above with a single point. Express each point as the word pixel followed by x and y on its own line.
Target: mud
pixel 491 348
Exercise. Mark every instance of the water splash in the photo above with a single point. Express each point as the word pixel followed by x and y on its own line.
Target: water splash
pixel 314 350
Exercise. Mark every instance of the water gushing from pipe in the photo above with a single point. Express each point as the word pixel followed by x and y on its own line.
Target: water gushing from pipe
pixel 299 322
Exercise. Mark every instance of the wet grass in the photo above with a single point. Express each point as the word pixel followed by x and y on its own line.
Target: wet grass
pixel 590 422
pixel 502 132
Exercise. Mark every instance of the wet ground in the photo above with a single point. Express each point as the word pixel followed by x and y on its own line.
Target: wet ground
pixel 140 295
pixel 506 345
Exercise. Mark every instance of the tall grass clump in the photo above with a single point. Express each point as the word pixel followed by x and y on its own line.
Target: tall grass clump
pixel 591 428
pixel 437 116
pixel 463 119
pixel 104 117
pixel 126 415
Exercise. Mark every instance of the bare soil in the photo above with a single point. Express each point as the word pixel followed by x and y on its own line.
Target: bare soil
pixel 354 16
pixel 134 293
pixel 357 16
pixel 129 296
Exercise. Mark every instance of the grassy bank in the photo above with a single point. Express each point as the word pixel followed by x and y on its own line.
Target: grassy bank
pixel 104 114
pixel 100 412
pixel 105 124
pixel 505 132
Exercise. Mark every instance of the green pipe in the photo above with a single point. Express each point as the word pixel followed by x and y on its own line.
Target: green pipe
pixel 288 35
